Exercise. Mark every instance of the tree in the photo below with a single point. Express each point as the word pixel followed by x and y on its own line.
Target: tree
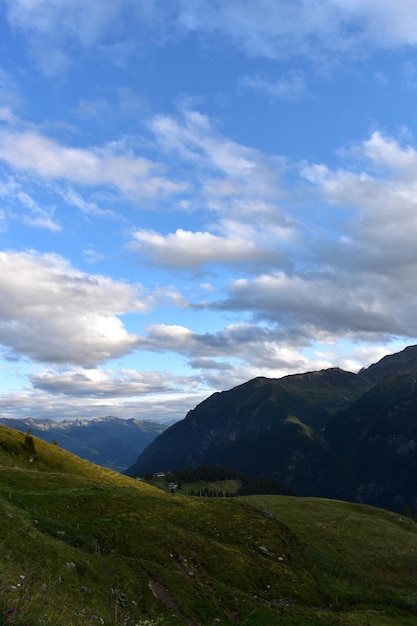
pixel 29 443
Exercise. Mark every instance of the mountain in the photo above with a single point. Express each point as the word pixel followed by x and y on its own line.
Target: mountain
pixel 377 435
pixel 82 544
pixel 330 433
pixel 264 427
pixel 392 365
pixel 109 441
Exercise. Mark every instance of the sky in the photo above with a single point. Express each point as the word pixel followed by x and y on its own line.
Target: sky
pixel 194 193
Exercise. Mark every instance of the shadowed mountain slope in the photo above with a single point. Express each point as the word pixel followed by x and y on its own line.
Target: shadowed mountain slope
pixel 270 427
pixel 391 365
pixel 377 434
pixel 330 433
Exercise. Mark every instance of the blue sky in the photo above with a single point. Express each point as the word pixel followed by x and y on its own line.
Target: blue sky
pixel 197 192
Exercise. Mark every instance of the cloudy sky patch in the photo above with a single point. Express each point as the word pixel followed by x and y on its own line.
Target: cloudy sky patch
pixel 196 193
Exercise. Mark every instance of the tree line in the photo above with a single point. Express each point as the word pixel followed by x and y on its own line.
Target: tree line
pixel 249 485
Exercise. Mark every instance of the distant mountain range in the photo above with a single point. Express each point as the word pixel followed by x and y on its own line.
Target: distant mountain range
pixel 329 433
pixel 109 441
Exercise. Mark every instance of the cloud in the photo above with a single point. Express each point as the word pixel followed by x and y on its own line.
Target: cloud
pixel 37 216
pixel 247 342
pixel 199 167
pixel 40 404
pixel 191 250
pixel 243 351
pixel 135 177
pixel 73 198
pixel 326 304
pixel 58 31
pixel 164 397
pixel 381 194
pixel 281 29
pixel 385 24
pixel 99 383
pixel 85 21
pixel 193 137
pixel 19 205
pixel 357 278
pixel 93 256
pixel 386 151
pixel 54 25
pixel 241 186
pixel 53 312
pixel 319 32
pixel 340 261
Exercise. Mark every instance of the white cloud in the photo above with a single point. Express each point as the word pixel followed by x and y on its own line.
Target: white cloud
pixel 55 24
pixel 381 192
pixel 278 29
pixel 384 23
pixel 93 256
pixel 99 383
pixel 136 177
pixel 83 20
pixel 37 216
pixel 240 185
pixel 194 138
pixel 190 250
pixel 41 404
pixel 73 198
pixel 356 279
pixel 20 206
pixel 385 151
pixel 53 312
pixel 58 30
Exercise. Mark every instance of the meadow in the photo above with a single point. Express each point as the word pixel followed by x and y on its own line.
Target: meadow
pixel 81 544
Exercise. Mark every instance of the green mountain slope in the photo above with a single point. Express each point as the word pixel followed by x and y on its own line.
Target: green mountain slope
pixel 82 544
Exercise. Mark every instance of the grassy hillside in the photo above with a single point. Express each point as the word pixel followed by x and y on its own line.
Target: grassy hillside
pixel 110 441
pixel 364 557
pixel 80 544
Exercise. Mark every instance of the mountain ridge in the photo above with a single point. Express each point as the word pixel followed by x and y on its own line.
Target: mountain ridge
pixel 109 441
pixel 287 429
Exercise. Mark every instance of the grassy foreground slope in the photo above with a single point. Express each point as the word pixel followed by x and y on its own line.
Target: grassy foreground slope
pixel 80 544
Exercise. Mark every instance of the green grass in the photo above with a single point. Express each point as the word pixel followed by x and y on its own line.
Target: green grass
pixel 221 486
pixel 229 486
pixel 80 544
pixel 363 555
